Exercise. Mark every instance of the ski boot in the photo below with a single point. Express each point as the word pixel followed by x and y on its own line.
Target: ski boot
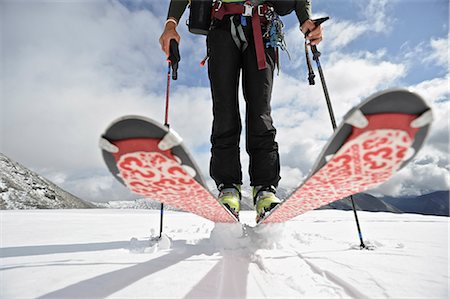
pixel 230 197
pixel 264 200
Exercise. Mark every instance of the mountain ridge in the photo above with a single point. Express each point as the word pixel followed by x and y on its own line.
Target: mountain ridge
pixel 21 188
pixel 435 203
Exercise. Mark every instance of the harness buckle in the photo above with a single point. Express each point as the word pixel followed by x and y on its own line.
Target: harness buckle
pixel 219 6
pixel 259 8
pixel 248 10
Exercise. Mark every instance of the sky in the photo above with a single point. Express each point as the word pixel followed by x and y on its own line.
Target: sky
pixel 69 68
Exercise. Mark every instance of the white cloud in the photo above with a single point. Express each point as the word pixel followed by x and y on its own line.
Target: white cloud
pixel 433 52
pixel 356 76
pixel 191 114
pixel 436 92
pixel 292 177
pixel 56 177
pixel 68 71
pixel 373 17
pixel 420 177
pixel 375 11
pixel 98 187
pixel 439 52
pixel 343 32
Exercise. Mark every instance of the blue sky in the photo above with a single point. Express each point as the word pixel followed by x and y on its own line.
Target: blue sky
pixel 69 68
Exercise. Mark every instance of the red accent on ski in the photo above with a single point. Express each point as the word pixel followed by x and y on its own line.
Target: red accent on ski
pixel 139 145
pixel 369 157
pixel 158 175
pixel 395 121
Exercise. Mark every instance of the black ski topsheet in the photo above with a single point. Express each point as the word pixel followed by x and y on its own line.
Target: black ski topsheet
pixel 133 127
pixel 395 100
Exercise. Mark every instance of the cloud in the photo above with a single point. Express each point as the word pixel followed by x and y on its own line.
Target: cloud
pixel 191 114
pixel 435 90
pixel 98 187
pixel 374 19
pixel 371 17
pixel 344 32
pixel 439 52
pixel 376 12
pixel 427 173
pixel 292 177
pixel 58 178
pixel 430 53
pixel 437 94
pixel 68 70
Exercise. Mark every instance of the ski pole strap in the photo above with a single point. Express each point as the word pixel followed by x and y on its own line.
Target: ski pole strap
pixel 166 115
pixel 311 74
pixel 314 50
pixel 161 220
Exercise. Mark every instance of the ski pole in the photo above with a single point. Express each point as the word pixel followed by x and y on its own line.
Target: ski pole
pixel 172 64
pixel 316 56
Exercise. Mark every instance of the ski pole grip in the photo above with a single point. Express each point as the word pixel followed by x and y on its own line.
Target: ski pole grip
pixel 317 22
pixel 174 58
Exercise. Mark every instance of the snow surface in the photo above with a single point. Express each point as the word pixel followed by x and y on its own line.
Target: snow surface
pixel 106 253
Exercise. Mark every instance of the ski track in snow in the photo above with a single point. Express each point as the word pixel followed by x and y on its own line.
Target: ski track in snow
pixel 109 254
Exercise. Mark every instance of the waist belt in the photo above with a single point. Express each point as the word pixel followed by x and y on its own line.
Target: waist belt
pixel 257 13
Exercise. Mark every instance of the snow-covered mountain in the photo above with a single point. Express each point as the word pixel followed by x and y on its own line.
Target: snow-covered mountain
pixel 363 202
pixel 436 203
pixel 21 188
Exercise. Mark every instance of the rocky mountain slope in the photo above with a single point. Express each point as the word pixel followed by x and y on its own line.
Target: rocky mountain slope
pixel 21 188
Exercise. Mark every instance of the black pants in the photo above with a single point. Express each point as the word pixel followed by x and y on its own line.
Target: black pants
pixel 225 64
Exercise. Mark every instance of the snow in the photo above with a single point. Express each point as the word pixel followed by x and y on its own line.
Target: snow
pixel 103 253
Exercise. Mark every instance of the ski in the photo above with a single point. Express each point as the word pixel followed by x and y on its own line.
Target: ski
pixel 151 160
pixel 375 140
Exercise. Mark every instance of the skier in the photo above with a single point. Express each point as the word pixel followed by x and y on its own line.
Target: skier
pixel 244 37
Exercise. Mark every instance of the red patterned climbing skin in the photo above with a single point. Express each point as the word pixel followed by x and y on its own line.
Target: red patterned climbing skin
pixel 362 163
pixel 158 175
